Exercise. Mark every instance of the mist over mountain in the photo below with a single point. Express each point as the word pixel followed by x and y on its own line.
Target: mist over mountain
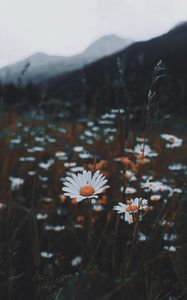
pixel 40 66
pixel 95 85
pixel 90 81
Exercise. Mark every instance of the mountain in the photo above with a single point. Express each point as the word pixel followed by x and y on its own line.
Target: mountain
pixel 117 79
pixel 40 66
pixel 106 45
pixel 98 84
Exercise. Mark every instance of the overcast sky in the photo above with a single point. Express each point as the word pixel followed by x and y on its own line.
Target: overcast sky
pixel 66 27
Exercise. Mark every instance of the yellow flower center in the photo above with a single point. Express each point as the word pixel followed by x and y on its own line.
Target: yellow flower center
pixel 131 208
pixel 87 191
pixel 171 139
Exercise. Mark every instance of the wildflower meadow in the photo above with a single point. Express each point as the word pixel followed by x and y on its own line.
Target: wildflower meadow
pixel 94 207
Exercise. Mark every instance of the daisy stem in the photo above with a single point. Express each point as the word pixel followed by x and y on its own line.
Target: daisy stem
pixel 134 235
pixel 89 220
pixel 114 244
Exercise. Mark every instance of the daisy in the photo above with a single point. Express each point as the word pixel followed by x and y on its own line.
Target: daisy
pixel 176 167
pixel 175 190
pixel 155 186
pixel 132 207
pixel 45 254
pixel 76 261
pixel 130 190
pixel 144 150
pixel 16 182
pixel 82 186
pixel 85 155
pixel 172 140
pixel 78 148
pixel 155 197
pixel 130 175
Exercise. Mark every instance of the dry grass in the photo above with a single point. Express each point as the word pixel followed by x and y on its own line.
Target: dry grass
pixel 121 260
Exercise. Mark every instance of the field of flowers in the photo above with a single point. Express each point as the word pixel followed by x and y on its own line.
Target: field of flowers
pixel 92 210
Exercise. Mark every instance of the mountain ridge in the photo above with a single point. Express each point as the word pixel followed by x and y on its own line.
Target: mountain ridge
pixel 132 68
pixel 41 66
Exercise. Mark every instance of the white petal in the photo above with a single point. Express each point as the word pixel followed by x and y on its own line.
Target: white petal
pixel 67 194
pixel 97 179
pixel 100 184
pixel 122 206
pixel 136 201
pixel 72 181
pixel 89 176
pixel 80 198
pixel 70 185
pixel 101 189
pixel 100 179
pixel 116 207
pixel 84 177
pixel 69 190
pixel 128 218
pixel 144 202
pixel 94 177
pixel 93 196
pixel 71 195
pixel 76 180
pixel 81 181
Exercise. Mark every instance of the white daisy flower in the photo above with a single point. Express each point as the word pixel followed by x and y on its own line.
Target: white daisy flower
pixel 155 186
pixel 144 150
pixel 76 261
pixel 130 190
pixel 41 216
pixel 155 197
pixel 176 167
pixel 130 175
pixel 172 140
pixel 132 206
pixel 16 182
pixel 78 148
pixel 175 190
pixel 82 186
pixel 45 254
